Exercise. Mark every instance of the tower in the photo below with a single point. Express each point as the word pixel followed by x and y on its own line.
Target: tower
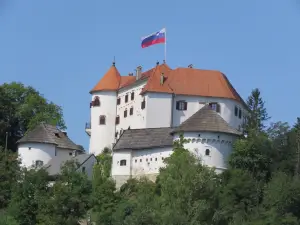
pixel 103 111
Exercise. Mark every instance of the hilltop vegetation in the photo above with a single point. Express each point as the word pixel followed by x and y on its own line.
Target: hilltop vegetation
pixel 261 186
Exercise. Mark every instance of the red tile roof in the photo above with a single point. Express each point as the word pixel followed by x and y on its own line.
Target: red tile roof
pixel 180 81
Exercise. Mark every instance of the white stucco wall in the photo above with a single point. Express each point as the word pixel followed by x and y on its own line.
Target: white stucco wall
pixel 194 103
pixel 158 109
pixel 148 161
pixel 103 135
pixel 138 119
pixel 89 165
pixel 117 169
pixel 219 145
pixel 31 152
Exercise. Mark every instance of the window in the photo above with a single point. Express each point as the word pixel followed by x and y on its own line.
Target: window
pixel 57 135
pixel 102 120
pixel 126 98
pixel 162 158
pixel 29 148
pixel 140 160
pixel 96 101
pixel 116 134
pixel 118 101
pixel 83 169
pixel 135 161
pixel 240 113
pixel 207 152
pixel 147 160
pixel 150 159
pixel 143 104
pixel 70 153
pixel 236 111
pixel 181 105
pixel 132 96
pixel 155 159
pixel 215 106
pixel 131 111
pixel 55 152
pixel 39 163
pixel 123 162
pixel 125 113
pixel 117 120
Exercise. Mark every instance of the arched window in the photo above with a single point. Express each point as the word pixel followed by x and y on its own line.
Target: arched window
pixel 102 120
pixel 123 162
pixel 207 152
pixel 96 101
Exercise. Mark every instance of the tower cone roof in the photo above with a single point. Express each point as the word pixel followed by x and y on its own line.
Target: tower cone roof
pixel 110 81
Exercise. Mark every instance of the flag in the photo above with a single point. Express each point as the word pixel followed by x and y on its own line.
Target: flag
pixel 155 38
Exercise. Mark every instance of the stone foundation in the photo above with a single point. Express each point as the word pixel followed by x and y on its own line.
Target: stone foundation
pixel 122 179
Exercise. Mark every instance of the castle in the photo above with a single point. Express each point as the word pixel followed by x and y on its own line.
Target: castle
pixel 139 116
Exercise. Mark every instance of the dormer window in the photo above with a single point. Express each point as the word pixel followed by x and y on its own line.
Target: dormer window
pixel 215 106
pixel 117 120
pixel 102 120
pixel 236 111
pixel 143 104
pixel 125 113
pixel 118 101
pixel 132 95
pixel 181 105
pixel 131 111
pixel 126 98
pixel 96 102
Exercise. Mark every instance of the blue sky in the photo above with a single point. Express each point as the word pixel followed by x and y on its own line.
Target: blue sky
pixel 62 48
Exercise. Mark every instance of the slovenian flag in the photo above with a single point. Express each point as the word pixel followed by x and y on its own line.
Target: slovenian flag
pixel 155 38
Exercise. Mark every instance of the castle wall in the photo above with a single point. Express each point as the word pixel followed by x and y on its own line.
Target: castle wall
pixel 138 119
pixel 194 103
pixel 29 153
pixel 159 110
pixel 103 135
pixel 218 145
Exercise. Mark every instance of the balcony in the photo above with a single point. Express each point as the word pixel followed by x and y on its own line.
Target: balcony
pixel 88 128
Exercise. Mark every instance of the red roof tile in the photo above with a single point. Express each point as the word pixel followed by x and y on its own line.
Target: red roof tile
pixel 110 81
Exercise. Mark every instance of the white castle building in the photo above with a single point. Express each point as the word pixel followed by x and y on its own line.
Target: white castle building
pixel 139 116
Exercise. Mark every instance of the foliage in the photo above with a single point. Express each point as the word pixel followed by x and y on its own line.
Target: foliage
pixel 68 200
pixel 22 108
pixel 9 173
pixel 27 194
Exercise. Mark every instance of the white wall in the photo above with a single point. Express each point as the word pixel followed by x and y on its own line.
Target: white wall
pixel 103 135
pixel 193 105
pixel 117 169
pixel 159 111
pixel 89 165
pixel 219 144
pixel 138 119
pixel 148 161
pixel 30 152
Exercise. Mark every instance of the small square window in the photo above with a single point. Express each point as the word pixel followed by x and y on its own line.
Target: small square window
pixel 123 162
pixel 181 105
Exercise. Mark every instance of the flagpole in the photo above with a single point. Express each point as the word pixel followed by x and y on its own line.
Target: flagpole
pixel 165 44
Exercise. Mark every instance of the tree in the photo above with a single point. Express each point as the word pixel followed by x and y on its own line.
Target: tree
pixel 28 194
pixel 9 174
pixel 257 112
pixel 21 109
pixel 68 199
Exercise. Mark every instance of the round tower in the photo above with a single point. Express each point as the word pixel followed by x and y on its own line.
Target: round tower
pixel 103 111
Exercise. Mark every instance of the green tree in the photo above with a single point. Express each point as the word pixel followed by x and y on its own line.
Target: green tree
pixel 69 198
pixel 257 113
pixel 28 192
pixel 22 108
pixel 9 174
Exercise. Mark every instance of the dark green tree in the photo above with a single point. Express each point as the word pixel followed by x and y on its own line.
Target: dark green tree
pixel 22 108
pixel 28 192
pixel 257 113
pixel 9 174
pixel 69 199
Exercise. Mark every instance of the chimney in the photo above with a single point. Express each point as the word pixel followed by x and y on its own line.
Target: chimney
pixel 138 72
pixel 190 66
